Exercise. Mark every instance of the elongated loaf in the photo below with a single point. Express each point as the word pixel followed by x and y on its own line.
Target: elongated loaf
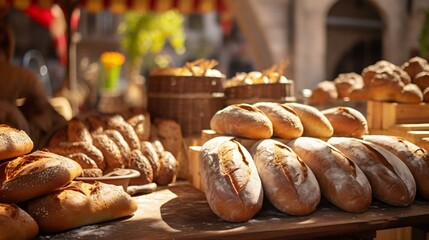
pixel 13 142
pixel 16 224
pixel 288 182
pixel 79 204
pixel 415 157
pixel 229 176
pixel 341 181
pixel 347 122
pixel 390 179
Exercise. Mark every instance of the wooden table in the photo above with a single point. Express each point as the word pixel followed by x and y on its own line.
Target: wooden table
pixel 182 212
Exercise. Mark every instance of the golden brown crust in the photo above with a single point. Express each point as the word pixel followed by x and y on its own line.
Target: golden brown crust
pixel 347 121
pixel 141 124
pixel 92 172
pixel 168 169
pixel 15 223
pixel 314 122
pixel 66 148
pixel 410 94
pixel 325 92
pixel 83 160
pixel 123 147
pixel 150 153
pixel 422 80
pixel 140 163
pixel 414 66
pixel 35 174
pixel 118 123
pixel 77 131
pixel 346 82
pixel 13 142
pixel 111 152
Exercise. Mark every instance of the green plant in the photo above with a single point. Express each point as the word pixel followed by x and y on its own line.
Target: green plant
pixel 146 33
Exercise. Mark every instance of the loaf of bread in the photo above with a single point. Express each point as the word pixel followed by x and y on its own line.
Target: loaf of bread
pixel 140 163
pixel 34 175
pixel 414 66
pixel 66 148
pixel 77 131
pixel 410 93
pixel 346 121
pixel 422 79
pixel 229 176
pixel 314 122
pixel 341 181
pixel 416 158
pixel 111 152
pixel 13 142
pixel 325 92
pixel 242 120
pixel 79 204
pixel 141 124
pixel 84 161
pixel 286 123
pixel 288 182
pixel 152 156
pixel 168 169
pixel 390 179
pixel 346 82
pixel 16 224
pixel 122 145
pixel 118 123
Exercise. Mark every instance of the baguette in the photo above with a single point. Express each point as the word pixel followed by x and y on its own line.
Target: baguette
pixel 346 122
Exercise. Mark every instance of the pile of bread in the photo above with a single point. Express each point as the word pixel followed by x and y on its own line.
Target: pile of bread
pixel 274 74
pixel 199 67
pixel 294 154
pixel 102 143
pixel 38 192
pixel 382 81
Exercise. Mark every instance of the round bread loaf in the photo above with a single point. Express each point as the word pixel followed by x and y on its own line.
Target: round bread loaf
pixel 13 142
pixel 84 161
pixel 286 123
pixel 118 123
pixel 341 181
pixel 390 179
pixel 288 182
pixel 346 121
pixel 66 148
pixel 16 224
pixel 416 158
pixel 150 153
pixel 410 93
pixel 111 152
pixel 242 120
pixel 79 204
pixel 35 174
pixel 325 92
pixel 140 163
pixel 422 80
pixel 314 122
pixel 345 82
pixel 77 131
pixel 230 179
pixel 168 169
pixel 414 66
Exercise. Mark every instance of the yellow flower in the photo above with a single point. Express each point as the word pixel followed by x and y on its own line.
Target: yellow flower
pixel 111 59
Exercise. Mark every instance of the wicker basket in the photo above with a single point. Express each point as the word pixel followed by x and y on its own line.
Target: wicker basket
pixel 189 100
pixel 271 92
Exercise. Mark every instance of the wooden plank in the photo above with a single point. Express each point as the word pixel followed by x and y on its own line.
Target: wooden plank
pixel 374 114
pixel 412 113
pixel 411 126
pixel 389 115
pixel 194 167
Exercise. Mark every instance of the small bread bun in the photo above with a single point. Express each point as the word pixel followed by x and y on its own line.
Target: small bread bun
pixel 13 142
pixel 84 161
pixel 341 181
pixel 230 179
pixel 346 82
pixel 314 122
pixel 168 169
pixel 422 80
pixel 390 178
pixel 79 204
pixel 289 183
pixel 117 122
pixel 286 123
pixel 140 163
pixel 414 66
pixel 410 94
pixel 77 131
pixel 15 223
pixel 415 157
pixel 150 153
pixel 35 174
pixel 346 121
pixel 325 92
pixel 242 120
pixel 66 148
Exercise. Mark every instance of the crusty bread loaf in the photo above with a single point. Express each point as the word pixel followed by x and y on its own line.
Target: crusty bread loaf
pixel 410 94
pixel 91 172
pixel 416 158
pixel 288 182
pixel 16 224
pixel 242 120
pixel 168 169
pixel 119 141
pixel 13 142
pixel 390 179
pixel 414 66
pixel 141 124
pixel 314 122
pixel 84 161
pixel 346 121
pixel 79 204
pixel 230 179
pixel 346 82
pixel 77 131
pixel 140 163
pixel 66 148
pixel 286 123
pixel 325 92
pixel 150 153
pixel 422 80
pixel 118 123
pixel 111 152
pixel 341 181
pixel 35 174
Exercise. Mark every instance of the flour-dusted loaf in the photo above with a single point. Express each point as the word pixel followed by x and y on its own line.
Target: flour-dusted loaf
pixel 341 181
pixel 242 120
pixel 230 179
pixel 288 182
pixel 79 204
pixel 346 121
pixel 314 122
pixel 13 142
pixel 35 174
pixel 390 179
pixel 286 123
pixel 415 157
pixel 16 224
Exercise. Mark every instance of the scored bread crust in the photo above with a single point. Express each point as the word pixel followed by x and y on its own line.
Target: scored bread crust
pixel 242 120
pixel 13 142
pixel 34 175
pixel 314 122
pixel 15 223
pixel 346 121
pixel 79 204
pixel 230 179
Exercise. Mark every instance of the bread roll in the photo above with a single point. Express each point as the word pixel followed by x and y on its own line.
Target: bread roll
pixel 66 148
pixel 346 82
pixel 16 224
pixel 168 169
pixel 288 183
pixel 416 158
pixel 286 123
pixel 325 92
pixel 119 141
pixel 78 132
pixel 314 122
pixel 118 123
pixel 390 179
pixel 341 181
pixel 13 142
pixel 79 204
pixel 242 120
pixel 422 80
pixel 229 176
pixel 96 124
pixel 150 153
pixel 140 163
pixel 83 160
pixel 92 172
pixel 141 124
pixel 346 121
pixel 414 66
pixel 35 174
pixel 111 152
pixel 410 94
